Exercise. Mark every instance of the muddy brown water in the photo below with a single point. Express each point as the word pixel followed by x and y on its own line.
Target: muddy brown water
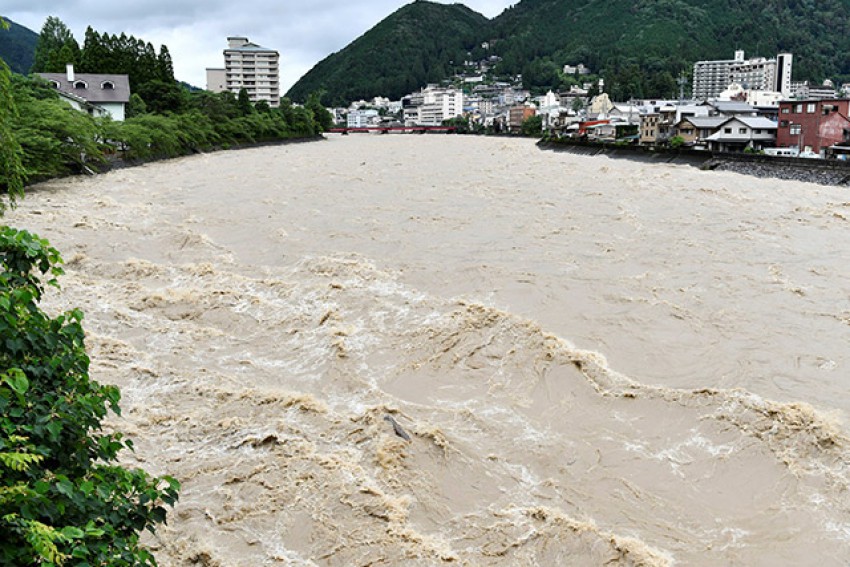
pixel 597 361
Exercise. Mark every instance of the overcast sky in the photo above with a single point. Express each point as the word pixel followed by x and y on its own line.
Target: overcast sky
pixel 195 31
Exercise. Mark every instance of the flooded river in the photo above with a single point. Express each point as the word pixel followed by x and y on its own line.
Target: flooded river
pixel 595 361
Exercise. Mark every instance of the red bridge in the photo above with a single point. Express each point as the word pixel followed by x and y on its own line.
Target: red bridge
pixel 388 129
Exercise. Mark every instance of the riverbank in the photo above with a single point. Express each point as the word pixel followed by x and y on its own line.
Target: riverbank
pixel 115 162
pixel 822 172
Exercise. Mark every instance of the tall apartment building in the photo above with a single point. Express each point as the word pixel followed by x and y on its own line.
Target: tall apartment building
pixel 248 66
pixel 432 105
pixel 757 74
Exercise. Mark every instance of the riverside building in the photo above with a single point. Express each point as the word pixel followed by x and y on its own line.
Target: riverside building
pixel 248 66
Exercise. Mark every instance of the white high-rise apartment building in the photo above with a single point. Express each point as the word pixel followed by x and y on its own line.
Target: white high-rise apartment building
pixel 439 104
pixel 248 66
pixel 758 74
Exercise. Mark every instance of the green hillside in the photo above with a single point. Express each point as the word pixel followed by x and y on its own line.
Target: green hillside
pixel 419 43
pixel 638 46
pixel 17 47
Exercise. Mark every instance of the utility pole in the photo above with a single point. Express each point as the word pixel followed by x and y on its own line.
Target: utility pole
pixel 682 80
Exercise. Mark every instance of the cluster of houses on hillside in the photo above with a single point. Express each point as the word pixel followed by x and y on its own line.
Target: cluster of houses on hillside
pixel 737 105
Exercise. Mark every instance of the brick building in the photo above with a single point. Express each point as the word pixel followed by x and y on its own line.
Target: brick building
pixel 813 125
pixel 519 114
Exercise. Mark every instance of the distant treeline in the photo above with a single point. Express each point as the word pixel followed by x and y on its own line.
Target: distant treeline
pixel 44 137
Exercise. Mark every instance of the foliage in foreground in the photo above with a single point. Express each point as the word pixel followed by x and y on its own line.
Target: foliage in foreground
pixel 64 500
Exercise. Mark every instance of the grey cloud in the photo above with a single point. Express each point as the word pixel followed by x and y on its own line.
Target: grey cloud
pixel 195 31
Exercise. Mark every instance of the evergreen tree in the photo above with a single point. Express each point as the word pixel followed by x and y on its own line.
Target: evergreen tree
pixel 166 67
pixel 93 53
pixel 244 102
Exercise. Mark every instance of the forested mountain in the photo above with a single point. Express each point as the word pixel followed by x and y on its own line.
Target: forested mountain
pixel 641 45
pixel 638 46
pixel 17 47
pixel 420 43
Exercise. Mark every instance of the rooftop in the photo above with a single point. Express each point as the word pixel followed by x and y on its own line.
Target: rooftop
pixel 92 87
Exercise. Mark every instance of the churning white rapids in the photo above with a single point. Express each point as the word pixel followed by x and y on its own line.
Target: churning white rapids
pixel 596 361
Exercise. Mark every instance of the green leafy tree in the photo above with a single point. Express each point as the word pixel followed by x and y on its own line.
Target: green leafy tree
pixel 324 120
pixel 578 104
pixel 163 96
pixel 55 138
pixel 63 498
pixel 532 126
pixel 136 106
pixel 459 123
pixel 11 168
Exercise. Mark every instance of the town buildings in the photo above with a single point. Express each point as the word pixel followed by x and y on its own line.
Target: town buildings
pixel 713 77
pixel 432 105
pixel 96 94
pixel 803 90
pixel 248 66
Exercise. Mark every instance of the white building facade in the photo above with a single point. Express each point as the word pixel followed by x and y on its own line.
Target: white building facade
pixel 251 67
pixel 432 105
pixel 759 74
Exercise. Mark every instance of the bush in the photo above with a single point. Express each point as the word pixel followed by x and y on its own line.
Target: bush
pixel 63 498
pixel 532 126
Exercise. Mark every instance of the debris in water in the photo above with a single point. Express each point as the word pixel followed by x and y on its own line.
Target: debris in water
pixel 397 428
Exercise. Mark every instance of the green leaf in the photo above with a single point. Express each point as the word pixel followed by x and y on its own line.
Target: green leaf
pixel 16 380
pixel 71 532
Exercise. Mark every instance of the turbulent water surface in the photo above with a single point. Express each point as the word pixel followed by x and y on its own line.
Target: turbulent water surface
pixel 595 361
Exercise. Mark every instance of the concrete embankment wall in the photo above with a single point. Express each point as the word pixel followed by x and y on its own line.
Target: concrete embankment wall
pixel 825 172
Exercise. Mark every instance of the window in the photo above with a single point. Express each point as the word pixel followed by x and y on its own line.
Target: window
pixel 784 123
pixel 810 108
pixel 785 110
pixel 798 108
pixel 796 129
pixel 54 84
pixel 80 85
pixel 742 130
pixel 107 85
pixel 757 131
pixel 727 130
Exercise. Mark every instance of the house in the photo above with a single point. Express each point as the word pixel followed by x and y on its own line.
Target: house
pixel 649 124
pixel 730 108
pixel 362 118
pixel 738 133
pixel 813 125
pixel 695 129
pixel 93 93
